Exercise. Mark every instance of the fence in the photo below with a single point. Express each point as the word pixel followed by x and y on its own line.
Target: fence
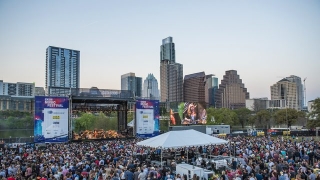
pixel 17 140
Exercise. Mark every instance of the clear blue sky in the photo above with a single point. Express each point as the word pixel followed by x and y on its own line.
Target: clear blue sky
pixel 262 40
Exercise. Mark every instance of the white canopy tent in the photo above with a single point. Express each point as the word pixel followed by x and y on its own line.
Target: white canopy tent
pixel 131 123
pixel 178 139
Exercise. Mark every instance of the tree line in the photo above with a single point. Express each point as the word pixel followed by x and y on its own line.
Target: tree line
pixel 259 118
pixel 12 119
pixel 263 119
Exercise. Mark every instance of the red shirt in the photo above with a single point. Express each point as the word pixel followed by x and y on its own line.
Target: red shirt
pixel 11 178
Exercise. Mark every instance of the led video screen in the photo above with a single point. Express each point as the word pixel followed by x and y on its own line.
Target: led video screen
pixel 187 113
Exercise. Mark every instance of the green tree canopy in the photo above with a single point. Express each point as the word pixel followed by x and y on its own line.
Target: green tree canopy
pixel 84 122
pixel 222 115
pixel 314 115
pixel 287 116
pixel 243 115
pixel 263 117
pixel 252 119
pixel 315 110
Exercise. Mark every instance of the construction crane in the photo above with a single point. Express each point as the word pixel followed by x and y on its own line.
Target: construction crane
pixel 305 92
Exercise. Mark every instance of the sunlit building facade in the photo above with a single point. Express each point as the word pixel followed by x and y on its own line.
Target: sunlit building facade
pixel 62 70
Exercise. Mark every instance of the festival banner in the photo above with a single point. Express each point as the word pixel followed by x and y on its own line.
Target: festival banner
pixel 147 118
pixel 51 119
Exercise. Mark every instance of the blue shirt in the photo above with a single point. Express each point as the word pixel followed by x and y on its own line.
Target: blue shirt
pixel 128 175
pixel 259 176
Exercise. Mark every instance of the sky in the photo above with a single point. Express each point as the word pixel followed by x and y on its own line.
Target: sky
pixel 263 40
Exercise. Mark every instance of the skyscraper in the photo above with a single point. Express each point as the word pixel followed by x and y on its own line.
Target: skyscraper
pixel 171 79
pixel 300 91
pixel 150 88
pixel 194 87
pixel 288 89
pixel 62 70
pixel 231 92
pixel 211 86
pixel 130 82
pixel 167 51
pixel 171 73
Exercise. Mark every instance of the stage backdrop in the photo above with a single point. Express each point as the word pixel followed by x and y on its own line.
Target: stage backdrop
pixel 51 119
pixel 147 118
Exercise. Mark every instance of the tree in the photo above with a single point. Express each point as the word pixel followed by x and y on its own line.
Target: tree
pixel 288 116
pixel 222 115
pixel 101 121
pixel 263 117
pixel 243 115
pixel 315 110
pixel 84 122
pixel 258 105
pixel 314 115
pixel 252 119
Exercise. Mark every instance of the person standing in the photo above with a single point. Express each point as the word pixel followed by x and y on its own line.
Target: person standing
pixel 136 174
pixel 312 176
pixel 128 174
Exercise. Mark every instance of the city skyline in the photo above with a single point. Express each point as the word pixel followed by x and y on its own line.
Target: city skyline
pixel 263 41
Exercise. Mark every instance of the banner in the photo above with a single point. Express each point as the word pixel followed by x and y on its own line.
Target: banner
pixel 147 118
pixel 51 119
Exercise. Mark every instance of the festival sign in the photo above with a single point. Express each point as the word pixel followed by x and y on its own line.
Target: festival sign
pixel 51 119
pixel 147 118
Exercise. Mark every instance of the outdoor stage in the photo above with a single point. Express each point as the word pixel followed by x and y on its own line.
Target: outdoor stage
pixel 95 101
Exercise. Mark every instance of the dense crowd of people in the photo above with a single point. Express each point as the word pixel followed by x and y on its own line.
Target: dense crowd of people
pixel 255 158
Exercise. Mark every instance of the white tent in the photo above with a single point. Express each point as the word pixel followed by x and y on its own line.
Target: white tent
pixel 131 123
pixel 177 139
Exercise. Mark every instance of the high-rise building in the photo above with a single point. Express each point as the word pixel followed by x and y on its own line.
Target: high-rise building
pixel 288 90
pixel 17 89
pixel 231 93
pixel 167 51
pixel 132 83
pixel 194 87
pixel 171 73
pixel 62 70
pixel 171 81
pixel 211 86
pixel 300 90
pixel 150 88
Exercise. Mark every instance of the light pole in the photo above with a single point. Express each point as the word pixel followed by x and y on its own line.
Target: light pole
pixel 287 116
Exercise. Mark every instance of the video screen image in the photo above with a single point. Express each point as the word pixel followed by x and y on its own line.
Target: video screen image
pixel 187 113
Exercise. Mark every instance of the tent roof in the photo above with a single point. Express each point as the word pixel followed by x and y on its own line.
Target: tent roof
pixel 177 139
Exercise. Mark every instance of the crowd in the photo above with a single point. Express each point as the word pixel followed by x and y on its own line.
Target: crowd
pixel 257 158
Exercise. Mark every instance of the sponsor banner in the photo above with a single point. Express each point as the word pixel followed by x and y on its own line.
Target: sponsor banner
pixel 51 119
pixel 147 118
